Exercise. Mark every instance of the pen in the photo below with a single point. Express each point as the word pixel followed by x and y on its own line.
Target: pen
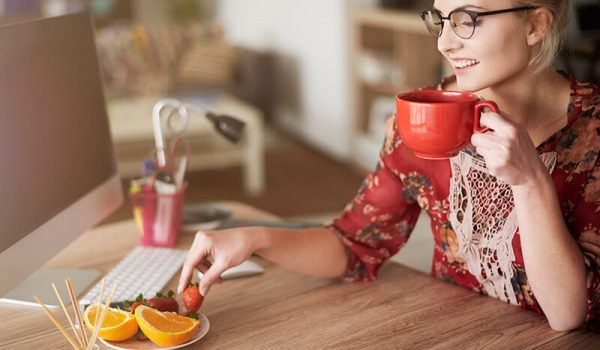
pixel 148 167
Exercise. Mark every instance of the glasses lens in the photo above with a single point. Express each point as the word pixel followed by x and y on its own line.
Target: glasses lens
pixel 462 24
pixel 433 22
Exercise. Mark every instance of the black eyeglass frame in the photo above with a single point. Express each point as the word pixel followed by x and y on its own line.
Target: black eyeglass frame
pixel 472 14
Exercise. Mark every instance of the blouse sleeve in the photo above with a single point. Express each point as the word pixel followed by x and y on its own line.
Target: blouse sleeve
pixel 585 221
pixel 379 220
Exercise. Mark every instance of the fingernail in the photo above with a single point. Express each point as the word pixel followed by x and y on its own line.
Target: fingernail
pixel 179 290
pixel 203 290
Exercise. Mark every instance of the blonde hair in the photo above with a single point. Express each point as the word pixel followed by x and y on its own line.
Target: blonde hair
pixel 551 43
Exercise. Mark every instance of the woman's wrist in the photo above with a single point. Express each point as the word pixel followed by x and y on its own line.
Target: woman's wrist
pixel 260 238
pixel 539 179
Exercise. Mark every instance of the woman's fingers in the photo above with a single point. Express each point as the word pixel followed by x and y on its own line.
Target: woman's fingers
pixel 204 267
pixel 484 140
pixel 495 122
pixel 186 273
pixel 212 275
pixel 226 247
pixel 198 252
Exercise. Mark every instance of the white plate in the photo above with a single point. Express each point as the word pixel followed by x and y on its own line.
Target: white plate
pixel 147 344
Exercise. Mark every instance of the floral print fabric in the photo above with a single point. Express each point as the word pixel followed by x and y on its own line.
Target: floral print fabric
pixel 379 220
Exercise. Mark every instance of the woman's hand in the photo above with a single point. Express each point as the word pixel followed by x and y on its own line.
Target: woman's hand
pixel 214 252
pixel 508 151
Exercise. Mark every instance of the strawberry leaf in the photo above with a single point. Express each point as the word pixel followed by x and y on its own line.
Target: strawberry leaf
pixel 193 315
pixel 140 335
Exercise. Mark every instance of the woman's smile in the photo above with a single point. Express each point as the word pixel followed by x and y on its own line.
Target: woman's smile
pixel 461 65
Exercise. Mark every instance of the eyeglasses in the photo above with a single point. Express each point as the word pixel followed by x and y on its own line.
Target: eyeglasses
pixel 463 22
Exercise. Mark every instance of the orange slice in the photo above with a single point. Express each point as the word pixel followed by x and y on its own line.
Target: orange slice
pixel 118 325
pixel 165 328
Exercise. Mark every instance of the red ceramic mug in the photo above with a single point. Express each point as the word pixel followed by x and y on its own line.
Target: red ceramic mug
pixel 437 124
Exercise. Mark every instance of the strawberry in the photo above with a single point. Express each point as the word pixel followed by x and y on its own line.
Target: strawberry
pixel 192 299
pixel 164 302
pixel 135 305
pixel 132 304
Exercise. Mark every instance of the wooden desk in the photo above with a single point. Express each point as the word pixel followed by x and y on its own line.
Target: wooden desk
pixel 404 309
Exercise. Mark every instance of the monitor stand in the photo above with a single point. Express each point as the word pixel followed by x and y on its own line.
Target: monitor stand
pixel 40 284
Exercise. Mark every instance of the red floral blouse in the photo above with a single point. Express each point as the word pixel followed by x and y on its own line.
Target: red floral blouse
pixel 379 220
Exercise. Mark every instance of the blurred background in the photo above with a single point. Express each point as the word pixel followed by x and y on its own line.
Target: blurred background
pixel 315 78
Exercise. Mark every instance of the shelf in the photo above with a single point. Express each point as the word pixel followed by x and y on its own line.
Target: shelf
pixel 408 22
pixel 395 50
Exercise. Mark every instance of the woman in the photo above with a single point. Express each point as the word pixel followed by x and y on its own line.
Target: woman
pixel 516 215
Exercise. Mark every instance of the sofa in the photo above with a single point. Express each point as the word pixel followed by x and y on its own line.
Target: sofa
pixel 142 65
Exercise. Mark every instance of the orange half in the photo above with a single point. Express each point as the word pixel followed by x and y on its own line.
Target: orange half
pixel 165 328
pixel 118 325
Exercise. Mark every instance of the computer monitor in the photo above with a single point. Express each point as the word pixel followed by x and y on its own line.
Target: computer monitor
pixel 58 175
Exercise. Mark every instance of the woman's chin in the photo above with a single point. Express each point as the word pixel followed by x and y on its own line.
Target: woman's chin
pixel 468 85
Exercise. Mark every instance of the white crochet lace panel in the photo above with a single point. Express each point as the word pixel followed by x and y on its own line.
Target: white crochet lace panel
pixel 481 214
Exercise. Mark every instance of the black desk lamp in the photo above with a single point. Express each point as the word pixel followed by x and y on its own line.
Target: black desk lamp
pixel 227 126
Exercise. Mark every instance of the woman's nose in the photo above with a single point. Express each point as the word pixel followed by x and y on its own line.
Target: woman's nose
pixel 448 41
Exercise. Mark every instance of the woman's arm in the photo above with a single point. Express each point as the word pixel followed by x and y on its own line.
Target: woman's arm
pixel 371 229
pixel 315 251
pixel 553 260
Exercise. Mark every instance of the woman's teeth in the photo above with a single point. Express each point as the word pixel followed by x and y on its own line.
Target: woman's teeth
pixel 465 63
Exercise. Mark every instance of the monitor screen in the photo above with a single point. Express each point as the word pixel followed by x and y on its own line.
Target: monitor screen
pixel 56 152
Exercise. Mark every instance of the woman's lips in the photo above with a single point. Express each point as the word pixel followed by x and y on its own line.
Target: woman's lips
pixel 462 65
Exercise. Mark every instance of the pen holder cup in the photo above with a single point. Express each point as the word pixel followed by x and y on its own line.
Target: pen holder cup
pixel 158 216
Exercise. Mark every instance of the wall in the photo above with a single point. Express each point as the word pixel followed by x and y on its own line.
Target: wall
pixel 309 39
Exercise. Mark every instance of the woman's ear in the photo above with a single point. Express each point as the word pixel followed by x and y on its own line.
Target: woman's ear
pixel 540 24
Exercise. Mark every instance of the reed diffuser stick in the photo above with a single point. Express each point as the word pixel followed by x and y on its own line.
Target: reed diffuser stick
pixel 64 308
pixel 100 302
pixel 98 324
pixel 57 323
pixel 76 310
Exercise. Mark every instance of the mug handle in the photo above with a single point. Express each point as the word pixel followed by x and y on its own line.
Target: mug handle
pixel 478 108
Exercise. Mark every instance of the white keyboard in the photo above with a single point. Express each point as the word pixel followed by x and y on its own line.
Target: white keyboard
pixel 145 270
